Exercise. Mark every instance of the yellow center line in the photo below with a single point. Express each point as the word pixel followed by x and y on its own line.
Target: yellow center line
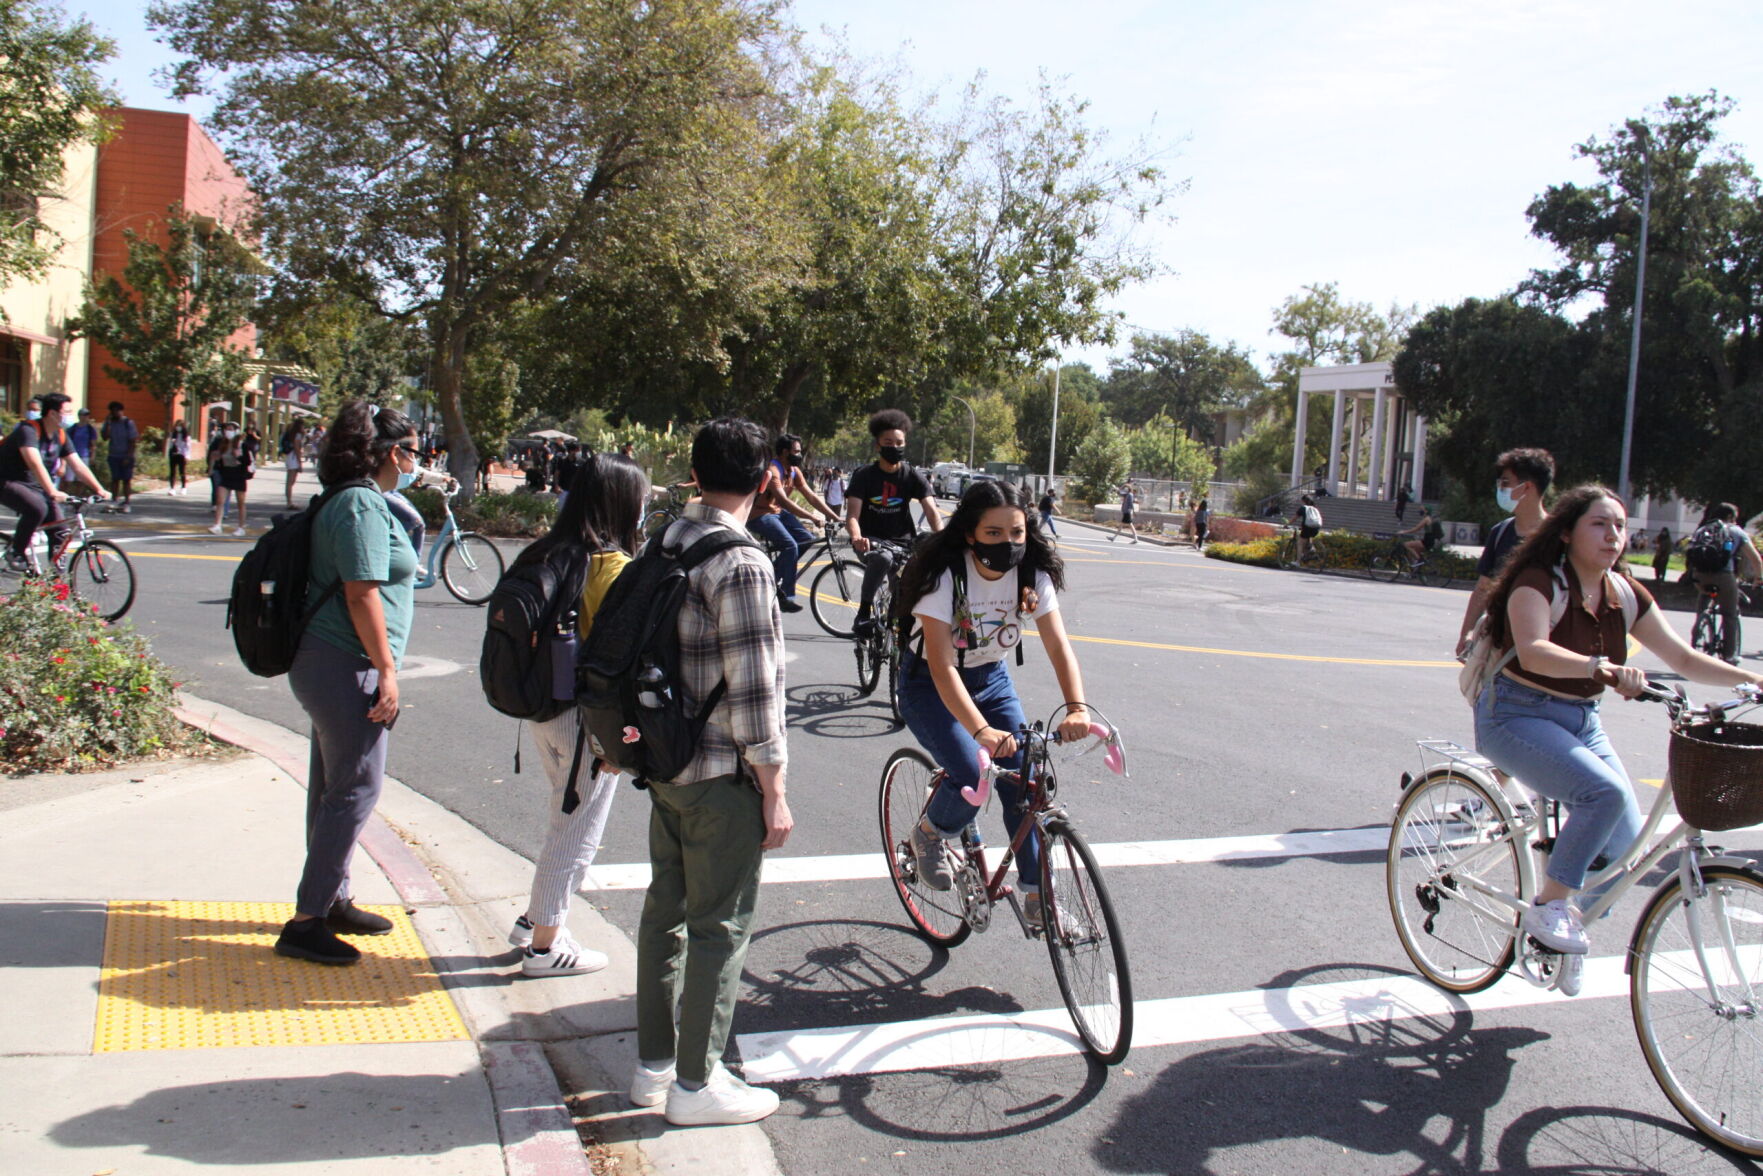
pixel 179 555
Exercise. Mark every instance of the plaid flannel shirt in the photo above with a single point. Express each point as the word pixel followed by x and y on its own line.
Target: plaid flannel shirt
pixel 731 629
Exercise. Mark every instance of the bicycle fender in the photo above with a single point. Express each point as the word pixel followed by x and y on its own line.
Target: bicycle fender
pixel 1731 861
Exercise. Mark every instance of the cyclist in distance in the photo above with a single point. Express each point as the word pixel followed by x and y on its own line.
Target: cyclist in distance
pixel 1427 532
pixel 1538 717
pixel 878 505
pixel 778 518
pixel 969 597
pixel 1741 560
pixel 27 483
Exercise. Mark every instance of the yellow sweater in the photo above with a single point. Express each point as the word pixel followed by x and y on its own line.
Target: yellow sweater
pixel 603 569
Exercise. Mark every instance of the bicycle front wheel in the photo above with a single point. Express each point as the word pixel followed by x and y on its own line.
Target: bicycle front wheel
pixel 1288 554
pixel 1385 568
pixel 1084 941
pixel 1696 991
pixel 100 574
pixel 1451 852
pixel 894 683
pixel 906 785
pixel 833 596
pixel 471 567
pixel 869 664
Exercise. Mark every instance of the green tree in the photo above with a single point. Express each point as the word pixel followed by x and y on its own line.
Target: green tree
pixel 450 162
pixel 992 425
pixel 1184 375
pixel 356 352
pixel 1101 463
pixel 1162 449
pixel 1079 412
pixel 1699 396
pixel 168 318
pixel 50 100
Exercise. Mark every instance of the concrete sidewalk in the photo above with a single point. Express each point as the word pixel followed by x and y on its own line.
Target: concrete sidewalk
pixel 150 1027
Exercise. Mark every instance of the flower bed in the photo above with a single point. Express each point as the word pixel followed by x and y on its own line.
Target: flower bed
pixel 1342 551
pixel 501 516
pixel 77 693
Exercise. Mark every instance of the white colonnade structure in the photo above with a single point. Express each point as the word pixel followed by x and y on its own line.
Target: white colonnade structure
pixel 1377 442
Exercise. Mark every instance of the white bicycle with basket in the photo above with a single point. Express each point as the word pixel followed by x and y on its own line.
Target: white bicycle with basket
pixel 1467 849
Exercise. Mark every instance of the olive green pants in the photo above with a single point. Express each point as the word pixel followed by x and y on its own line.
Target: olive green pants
pixel 704 850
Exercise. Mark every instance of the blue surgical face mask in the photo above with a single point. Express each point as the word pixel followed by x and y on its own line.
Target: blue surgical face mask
pixel 405 480
pixel 32 414
pixel 1503 496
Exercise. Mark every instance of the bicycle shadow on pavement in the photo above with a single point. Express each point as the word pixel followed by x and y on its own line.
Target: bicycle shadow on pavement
pixel 1567 1141
pixel 1372 1076
pixel 1360 857
pixel 838 710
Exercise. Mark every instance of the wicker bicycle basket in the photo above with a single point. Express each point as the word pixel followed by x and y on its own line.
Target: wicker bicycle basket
pixel 1717 775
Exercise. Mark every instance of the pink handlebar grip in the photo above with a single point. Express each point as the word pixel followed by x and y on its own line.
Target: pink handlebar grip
pixel 1112 756
pixel 977 794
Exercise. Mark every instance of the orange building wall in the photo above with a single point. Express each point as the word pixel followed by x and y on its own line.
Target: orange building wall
pixel 157 159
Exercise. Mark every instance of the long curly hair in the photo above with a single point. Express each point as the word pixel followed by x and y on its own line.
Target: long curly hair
pixel 945 549
pixel 358 441
pixel 1546 548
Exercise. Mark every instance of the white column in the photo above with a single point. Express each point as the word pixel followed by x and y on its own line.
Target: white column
pixel 1353 449
pixel 1298 436
pixel 1334 446
pixel 1419 455
pixel 1374 475
pixel 1392 458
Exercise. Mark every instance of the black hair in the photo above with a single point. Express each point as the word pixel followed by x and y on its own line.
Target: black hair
pixel 52 401
pixel 116 406
pixel 1307 500
pixel 1546 548
pixel 1725 512
pixel 889 418
pixel 1536 466
pixel 729 456
pixel 946 548
pixel 787 442
pixel 358 441
pixel 603 511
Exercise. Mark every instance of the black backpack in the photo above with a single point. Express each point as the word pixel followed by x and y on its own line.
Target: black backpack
pixel 628 680
pixel 529 634
pixel 1710 549
pixel 268 610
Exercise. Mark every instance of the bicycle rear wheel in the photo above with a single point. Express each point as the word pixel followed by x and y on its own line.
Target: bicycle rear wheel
pixel 1700 1030
pixel 894 682
pixel 1084 941
pixel 1386 568
pixel 833 595
pixel 1288 554
pixel 869 663
pixel 471 567
pixel 1703 637
pixel 1449 846
pixel 906 784
pixel 100 574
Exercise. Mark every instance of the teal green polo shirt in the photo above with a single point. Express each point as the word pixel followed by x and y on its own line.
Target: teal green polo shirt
pixel 357 538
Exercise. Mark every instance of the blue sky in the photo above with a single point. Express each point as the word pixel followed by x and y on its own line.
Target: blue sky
pixel 1388 146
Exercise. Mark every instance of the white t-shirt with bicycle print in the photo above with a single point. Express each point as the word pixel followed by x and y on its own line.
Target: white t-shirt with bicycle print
pixel 994 626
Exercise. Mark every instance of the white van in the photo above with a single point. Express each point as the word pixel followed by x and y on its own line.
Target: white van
pixel 947 478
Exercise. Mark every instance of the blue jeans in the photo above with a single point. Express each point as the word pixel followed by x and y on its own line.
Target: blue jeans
pixel 786 531
pixel 1558 748
pixel 956 752
pixel 1047 522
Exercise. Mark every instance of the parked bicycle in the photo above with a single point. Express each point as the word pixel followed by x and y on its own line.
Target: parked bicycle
pixel 665 507
pixel 1465 855
pixel 466 562
pixel 1708 635
pixel 1077 921
pixel 1398 563
pixel 95 570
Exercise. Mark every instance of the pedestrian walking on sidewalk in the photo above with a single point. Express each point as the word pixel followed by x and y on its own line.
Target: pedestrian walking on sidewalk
pixel 177 460
pixel 1129 501
pixel 345 674
pixel 602 521
pixel 293 441
pixel 121 433
pixel 1202 520
pixel 230 462
pixel 710 826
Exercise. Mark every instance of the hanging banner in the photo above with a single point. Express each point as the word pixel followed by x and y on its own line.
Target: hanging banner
pixel 293 391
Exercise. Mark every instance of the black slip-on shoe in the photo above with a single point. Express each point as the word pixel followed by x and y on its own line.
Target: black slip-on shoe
pixel 310 939
pixel 348 919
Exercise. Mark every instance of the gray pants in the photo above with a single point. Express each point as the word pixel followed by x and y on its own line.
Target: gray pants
pixel 347 767
pixel 1727 584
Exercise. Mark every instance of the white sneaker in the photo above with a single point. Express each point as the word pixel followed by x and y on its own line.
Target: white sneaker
pixel 565 957
pixel 725 1099
pixel 649 1087
pixel 521 935
pixel 216 529
pixel 1569 973
pixel 239 532
pixel 1556 927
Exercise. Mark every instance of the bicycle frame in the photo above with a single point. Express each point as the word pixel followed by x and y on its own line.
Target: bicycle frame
pixel 430 573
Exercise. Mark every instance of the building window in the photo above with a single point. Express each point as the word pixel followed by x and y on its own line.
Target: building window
pixel 12 375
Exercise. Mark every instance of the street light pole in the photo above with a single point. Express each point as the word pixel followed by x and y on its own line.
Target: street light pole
pixel 1641 135
pixel 1053 445
pixel 972 426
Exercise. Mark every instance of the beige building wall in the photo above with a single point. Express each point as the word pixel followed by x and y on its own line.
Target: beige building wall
pixel 38 310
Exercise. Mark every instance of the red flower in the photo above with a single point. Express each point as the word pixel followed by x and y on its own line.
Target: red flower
pixel 62 592
pixel 146 690
pixel 61 698
pixel 60 661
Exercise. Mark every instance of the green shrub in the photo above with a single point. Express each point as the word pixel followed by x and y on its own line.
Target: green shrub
pixel 1342 551
pixel 504 516
pixel 1262 553
pixel 76 692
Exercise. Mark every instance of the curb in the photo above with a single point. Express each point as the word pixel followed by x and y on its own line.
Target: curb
pixel 537 1131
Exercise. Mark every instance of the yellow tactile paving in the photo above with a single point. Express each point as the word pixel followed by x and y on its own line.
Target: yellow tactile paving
pixel 203 975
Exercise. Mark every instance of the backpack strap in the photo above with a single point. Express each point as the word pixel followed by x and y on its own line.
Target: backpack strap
pixel 718 541
pixel 317 508
pixel 1025 582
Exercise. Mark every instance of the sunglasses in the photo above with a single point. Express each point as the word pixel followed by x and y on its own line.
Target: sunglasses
pixel 412 450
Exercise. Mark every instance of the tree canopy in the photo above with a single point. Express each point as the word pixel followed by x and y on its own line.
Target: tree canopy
pixel 50 99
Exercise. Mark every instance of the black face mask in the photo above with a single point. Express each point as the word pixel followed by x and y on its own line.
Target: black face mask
pixel 795 459
pixel 893 453
pixel 999 557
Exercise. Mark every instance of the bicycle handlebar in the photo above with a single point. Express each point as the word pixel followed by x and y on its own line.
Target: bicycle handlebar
pixel 1109 737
